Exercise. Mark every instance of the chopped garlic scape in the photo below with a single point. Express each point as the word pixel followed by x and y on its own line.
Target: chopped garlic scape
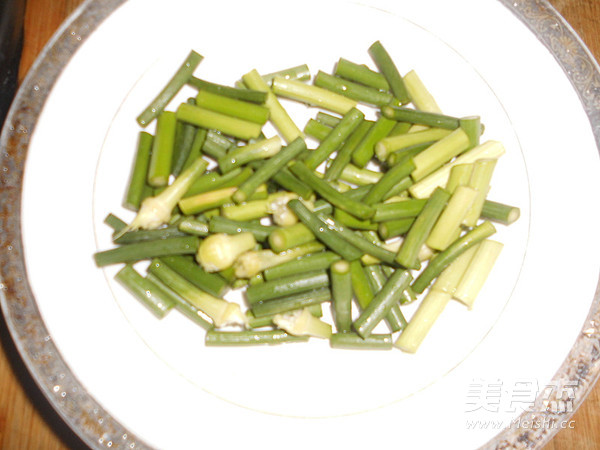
pixel 153 213
pixel 280 211
pixel 221 312
pixel 253 262
pixel 284 216
pixel 303 323
pixel 280 198
pixel 425 253
pixel 219 251
pixel 156 211
pixel 277 207
pixel 231 315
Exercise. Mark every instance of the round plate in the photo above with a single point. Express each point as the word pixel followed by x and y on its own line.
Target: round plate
pixel 512 368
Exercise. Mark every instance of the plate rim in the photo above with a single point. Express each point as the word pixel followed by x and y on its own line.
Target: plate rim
pixel 82 413
pixel 580 367
pixel 77 408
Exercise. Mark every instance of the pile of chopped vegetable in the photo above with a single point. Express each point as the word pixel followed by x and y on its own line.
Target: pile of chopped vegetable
pixel 358 215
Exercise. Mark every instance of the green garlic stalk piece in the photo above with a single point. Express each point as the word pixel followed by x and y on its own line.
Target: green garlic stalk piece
pixel 156 211
pixel 302 323
pixel 282 215
pixel 477 272
pixel 423 319
pixel 425 253
pixel 222 312
pixel 253 262
pixel 219 251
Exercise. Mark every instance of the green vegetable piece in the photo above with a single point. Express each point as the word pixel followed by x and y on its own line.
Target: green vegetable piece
pixel 161 157
pixel 352 341
pixel 233 107
pixel 335 138
pixel 382 303
pixel 302 323
pixel 215 338
pixel 312 95
pixel 308 263
pixel 219 224
pixel 177 81
pixel 278 116
pixel 266 171
pixel 408 254
pixel 221 312
pixel 137 180
pixel 500 212
pixel 330 238
pixel 324 189
pixel 219 251
pixel 291 302
pixel 360 73
pixel 148 293
pixel 281 287
pixel 443 259
pixel 341 290
pixel 247 95
pixel 139 251
pixel 191 271
pixel 386 66
pixel 403 114
pixel 355 91
pixel 205 118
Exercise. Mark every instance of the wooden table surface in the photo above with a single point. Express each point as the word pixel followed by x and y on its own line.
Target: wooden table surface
pixel 26 419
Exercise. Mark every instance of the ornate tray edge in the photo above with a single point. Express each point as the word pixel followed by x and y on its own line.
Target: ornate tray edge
pixel 580 370
pixel 82 413
pixel 76 407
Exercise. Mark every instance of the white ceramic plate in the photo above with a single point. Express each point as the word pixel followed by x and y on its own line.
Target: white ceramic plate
pixel 158 380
